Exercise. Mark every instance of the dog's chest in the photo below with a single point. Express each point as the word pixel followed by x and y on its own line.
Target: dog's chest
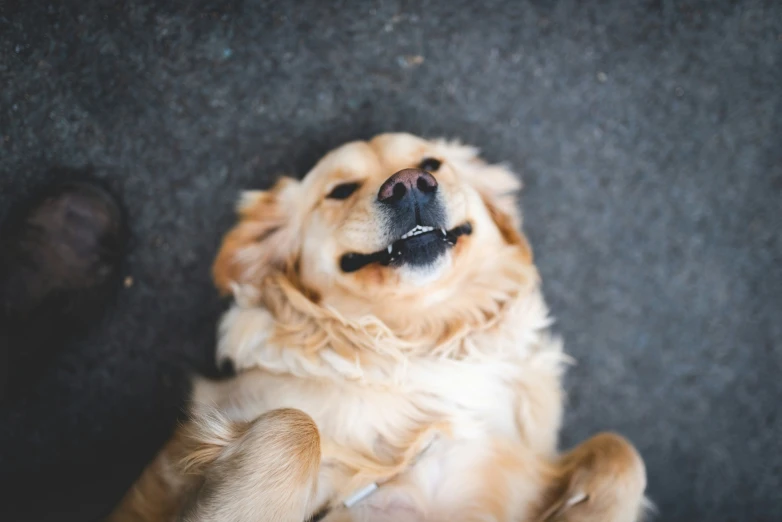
pixel 469 406
pixel 445 475
pixel 465 400
pixel 450 480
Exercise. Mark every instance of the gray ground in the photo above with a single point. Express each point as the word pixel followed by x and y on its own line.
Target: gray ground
pixel 648 136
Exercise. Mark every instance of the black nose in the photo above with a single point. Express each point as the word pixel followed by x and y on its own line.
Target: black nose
pixel 406 185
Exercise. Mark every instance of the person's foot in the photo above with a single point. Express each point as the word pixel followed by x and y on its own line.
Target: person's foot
pixel 60 253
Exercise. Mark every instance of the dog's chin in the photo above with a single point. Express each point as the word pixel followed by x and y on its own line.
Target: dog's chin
pixel 419 251
pixel 425 273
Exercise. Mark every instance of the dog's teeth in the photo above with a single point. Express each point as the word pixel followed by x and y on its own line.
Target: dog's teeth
pixel 417 231
pixel 390 249
pixel 443 231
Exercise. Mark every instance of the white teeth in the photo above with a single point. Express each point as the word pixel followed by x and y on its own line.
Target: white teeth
pixel 417 230
pixel 390 249
pixel 443 231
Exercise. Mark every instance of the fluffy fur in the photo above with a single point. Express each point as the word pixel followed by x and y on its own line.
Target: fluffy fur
pixel 443 387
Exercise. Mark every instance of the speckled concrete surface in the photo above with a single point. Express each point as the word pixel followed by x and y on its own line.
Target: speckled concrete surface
pixel 648 137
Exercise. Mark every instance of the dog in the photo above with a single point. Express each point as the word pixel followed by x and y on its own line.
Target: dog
pixel 394 360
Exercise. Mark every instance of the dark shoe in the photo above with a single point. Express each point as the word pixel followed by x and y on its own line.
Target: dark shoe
pixel 60 255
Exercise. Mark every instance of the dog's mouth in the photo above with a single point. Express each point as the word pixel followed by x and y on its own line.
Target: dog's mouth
pixel 420 246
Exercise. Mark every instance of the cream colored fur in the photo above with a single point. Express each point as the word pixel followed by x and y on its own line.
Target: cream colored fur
pixel 448 395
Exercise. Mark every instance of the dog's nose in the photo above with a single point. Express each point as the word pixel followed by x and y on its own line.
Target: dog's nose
pixel 405 184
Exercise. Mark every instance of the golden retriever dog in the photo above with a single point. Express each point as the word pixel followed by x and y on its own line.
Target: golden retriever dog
pixel 394 360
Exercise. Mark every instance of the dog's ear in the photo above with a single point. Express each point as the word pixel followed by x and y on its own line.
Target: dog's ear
pixel 264 239
pixel 496 183
pixel 509 226
pixel 498 186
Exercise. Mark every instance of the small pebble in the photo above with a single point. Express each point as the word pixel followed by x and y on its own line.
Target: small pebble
pixel 410 60
pixel 602 77
pixel 128 282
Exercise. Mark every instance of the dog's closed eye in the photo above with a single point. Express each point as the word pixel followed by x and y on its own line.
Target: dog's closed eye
pixel 343 190
pixel 430 164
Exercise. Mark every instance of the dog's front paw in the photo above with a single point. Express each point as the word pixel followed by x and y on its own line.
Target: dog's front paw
pixel 602 480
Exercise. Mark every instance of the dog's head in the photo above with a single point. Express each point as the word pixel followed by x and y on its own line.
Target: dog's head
pixel 393 227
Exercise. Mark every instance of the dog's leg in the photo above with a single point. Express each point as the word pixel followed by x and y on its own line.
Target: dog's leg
pixel 265 470
pixel 601 480
pixel 160 491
